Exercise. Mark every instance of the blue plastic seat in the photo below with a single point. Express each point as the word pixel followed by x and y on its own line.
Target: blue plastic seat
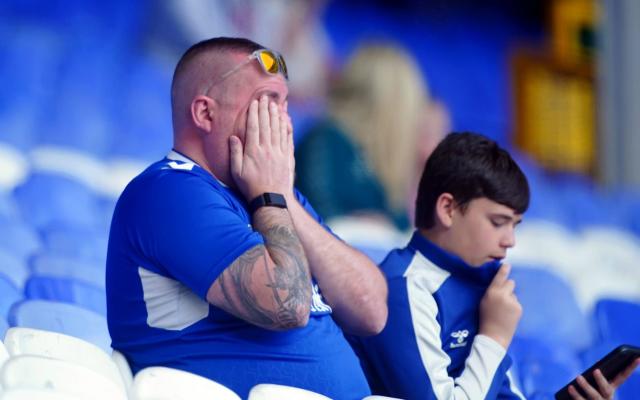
pixel 630 389
pixel 14 268
pixel 78 243
pixel 47 198
pixel 9 295
pixel 541 378
pixel 617 321
pixel 551 311
pixel 63 318
pixel 66 290
pixel 19 239
pixel 66 267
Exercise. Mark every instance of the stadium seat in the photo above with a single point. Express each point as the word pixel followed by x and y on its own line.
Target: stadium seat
pixel 266 391
pixel 35 372
pixel 617 321
pixel 543 378
pixel 88 245
pixel 376 397
pixel 67 290
pixel 63 318
pixel 13 268
pixel 68 267
pixel 36 394
pixel 630 389
pixel 4 325
pixel 36 342
pixel 161 383
pixel 48 198
pixel 19 239
pixel 123 368
pixel 4 355
pixel 551 312
pixel 9 295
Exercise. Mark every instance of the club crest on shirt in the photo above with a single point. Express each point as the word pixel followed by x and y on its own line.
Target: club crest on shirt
pixel 460 338
pixel 317 302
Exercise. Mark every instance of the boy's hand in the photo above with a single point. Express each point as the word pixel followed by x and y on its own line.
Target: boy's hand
pixel 500 310
pixel 606 389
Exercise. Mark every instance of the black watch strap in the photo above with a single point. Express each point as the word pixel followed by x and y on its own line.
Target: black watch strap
pixel 267 200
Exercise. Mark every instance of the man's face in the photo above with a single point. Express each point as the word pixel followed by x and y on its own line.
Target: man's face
pixel 483 231
pixel 248 83
pixel 233 98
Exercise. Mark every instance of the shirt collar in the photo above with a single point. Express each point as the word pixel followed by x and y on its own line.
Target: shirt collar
pixel 482 274
pixel 175 155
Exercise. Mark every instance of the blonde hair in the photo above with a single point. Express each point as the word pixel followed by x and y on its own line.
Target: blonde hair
pixel 379 101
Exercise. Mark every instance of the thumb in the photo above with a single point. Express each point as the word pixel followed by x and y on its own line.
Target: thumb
pixel 235 156
pixel 501 276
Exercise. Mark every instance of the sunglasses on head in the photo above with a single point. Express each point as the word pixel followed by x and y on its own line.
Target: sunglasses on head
pixel 271 62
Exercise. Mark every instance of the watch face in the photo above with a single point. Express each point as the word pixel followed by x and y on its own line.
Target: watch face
pixel 267 200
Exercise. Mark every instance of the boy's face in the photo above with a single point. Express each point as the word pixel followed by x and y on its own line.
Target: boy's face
pixel 483 231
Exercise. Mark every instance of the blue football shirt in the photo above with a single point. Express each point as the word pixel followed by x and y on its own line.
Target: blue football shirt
pixel 175 229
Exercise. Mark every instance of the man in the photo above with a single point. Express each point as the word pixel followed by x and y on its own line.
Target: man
pixel 216 264
pixel 452 309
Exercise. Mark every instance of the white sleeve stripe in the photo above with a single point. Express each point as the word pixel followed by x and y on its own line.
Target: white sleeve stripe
pixel 424 279
pixel 481 366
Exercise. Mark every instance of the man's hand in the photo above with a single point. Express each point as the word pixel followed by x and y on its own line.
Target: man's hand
pixel 606 389
pixel 500 310
pixel 264 163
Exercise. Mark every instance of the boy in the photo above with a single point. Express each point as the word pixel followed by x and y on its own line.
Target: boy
pixel 452 310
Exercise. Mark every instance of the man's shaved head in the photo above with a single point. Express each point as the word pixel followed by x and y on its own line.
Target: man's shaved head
pixel 198 67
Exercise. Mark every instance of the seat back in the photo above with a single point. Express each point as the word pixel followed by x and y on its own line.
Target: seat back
pixel 551 311
pixel 267 391
pixel 123 368
pixel 67 290
pixel 28 341
pixel 63 318
pixel 34 372
pixel 36 394
pixel 617 321
pixel 161 383
pixel 9 295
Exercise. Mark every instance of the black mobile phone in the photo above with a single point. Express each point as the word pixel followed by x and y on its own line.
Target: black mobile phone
pixel 610 365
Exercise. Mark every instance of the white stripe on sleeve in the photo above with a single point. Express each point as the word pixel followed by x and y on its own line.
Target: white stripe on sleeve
pixel 424 279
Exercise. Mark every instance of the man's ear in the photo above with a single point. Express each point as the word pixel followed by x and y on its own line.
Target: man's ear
pixel 445 208
pixel 203 112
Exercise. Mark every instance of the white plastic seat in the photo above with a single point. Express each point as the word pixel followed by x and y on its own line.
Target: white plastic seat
pixel 161 383
pixel 35 372
pixel 123 367
pixel 267 391
pixel 28 341
pixel 37 394
pixel 4 354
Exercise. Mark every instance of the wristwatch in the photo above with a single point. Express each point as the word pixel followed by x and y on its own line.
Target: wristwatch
pixel 267 200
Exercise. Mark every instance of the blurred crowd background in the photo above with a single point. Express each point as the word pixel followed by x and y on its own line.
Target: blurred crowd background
pixel 374 85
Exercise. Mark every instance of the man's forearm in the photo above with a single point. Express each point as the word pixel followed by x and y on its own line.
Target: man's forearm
pixel 290 278
pixel 269 285
pixel 351 283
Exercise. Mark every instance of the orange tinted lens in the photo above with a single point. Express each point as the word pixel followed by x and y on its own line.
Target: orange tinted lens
pixel 268 60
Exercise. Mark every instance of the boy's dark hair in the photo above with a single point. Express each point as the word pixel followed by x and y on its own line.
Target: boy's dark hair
pixel 469 166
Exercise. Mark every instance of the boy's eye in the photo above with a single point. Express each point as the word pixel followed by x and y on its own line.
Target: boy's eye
pixel 497 224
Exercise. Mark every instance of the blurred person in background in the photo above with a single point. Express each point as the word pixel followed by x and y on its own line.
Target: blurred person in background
pixel 292 26
pixel 361 160
pixel 216 264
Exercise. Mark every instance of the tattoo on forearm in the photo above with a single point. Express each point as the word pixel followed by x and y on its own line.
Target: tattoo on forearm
pixel 289 280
